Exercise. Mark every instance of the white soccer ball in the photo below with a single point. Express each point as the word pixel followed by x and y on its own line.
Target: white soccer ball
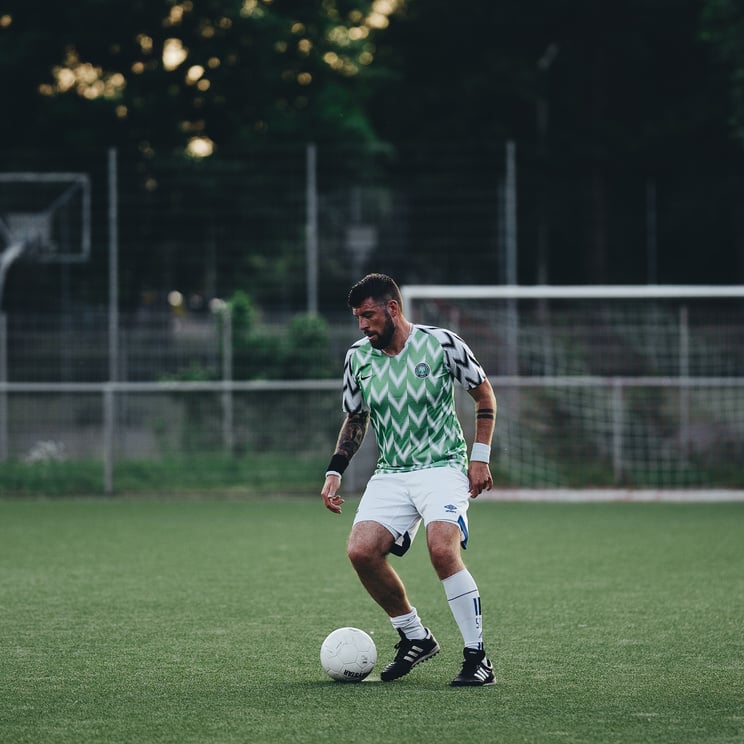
pixel 348 655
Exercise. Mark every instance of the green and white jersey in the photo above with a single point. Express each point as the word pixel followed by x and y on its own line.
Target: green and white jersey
pixel 411 398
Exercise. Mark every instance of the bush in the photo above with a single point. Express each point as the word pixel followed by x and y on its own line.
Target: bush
pixel 301 352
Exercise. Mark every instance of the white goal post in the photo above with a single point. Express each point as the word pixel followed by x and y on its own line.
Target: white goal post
pixel 616 386
pixel 568 292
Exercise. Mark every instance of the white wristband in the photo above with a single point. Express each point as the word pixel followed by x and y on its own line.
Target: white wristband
pixel 333 472
pixel 481 452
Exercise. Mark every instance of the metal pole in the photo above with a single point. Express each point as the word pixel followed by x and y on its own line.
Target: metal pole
pixel 311 229
pixel 684 373
pixel 7 257
pixel 228 434
pixel 108 439
pixel 510 228
pixel 4 394
pixel 113 225
pixel 544 64
pixel 113 324
pixel 617 430
pixel 511 213
pixel 651 233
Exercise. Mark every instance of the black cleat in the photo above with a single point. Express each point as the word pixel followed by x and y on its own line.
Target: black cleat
pixel 476 671
pixel 410 653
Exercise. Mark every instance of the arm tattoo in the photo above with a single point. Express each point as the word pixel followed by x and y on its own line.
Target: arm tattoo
pixel 352 433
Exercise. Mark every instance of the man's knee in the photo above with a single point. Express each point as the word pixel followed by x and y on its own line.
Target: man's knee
pixel 368 544
pixel 443 540
pixel 358 554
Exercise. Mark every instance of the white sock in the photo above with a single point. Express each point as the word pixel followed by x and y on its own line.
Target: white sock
pixel 410 624
pixel 464 601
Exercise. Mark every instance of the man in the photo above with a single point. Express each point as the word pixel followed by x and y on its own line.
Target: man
pixel 401 377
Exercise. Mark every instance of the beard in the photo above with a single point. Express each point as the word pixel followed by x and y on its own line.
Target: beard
pixel 383 339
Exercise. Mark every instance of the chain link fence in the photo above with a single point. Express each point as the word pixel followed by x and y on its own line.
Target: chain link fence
pixel 112 312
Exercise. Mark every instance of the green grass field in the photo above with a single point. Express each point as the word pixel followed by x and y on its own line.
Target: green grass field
pixel 140 620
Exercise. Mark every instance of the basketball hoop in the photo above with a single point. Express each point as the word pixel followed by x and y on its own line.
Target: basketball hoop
pixel 49 213
pixel 45 216
pixel 33 230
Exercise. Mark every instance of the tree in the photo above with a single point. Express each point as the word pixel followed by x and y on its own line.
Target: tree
pixel 307 351
pixel 162 75
pixel 632 96
pixel 723 28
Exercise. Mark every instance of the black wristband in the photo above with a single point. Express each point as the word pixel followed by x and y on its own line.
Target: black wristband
pixel 338 463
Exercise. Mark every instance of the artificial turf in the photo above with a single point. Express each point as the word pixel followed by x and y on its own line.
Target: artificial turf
pixel 200 620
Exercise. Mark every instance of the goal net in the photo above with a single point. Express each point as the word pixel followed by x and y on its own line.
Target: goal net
pixel 636 387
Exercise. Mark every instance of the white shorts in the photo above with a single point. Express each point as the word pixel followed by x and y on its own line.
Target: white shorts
pixel 401 501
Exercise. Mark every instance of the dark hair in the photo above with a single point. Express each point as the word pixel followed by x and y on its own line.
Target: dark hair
pixel 378 287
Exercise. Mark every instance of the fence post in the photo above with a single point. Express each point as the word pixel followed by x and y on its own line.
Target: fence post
pixel 108 439
pixel 511 248
pixel 617 430
pixel 684 373
pixel 4 393
pixel 311 227
pixel 228 433
pixel 113 268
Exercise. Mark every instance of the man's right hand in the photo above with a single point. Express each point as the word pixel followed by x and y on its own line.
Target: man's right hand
pixel 330 498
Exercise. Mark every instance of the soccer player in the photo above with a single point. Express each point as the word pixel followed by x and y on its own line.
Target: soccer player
pixel 401 377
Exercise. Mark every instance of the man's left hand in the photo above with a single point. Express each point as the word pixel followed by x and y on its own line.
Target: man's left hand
pixel 479 476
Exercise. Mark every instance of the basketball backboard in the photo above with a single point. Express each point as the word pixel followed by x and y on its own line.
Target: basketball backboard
pixel 46 215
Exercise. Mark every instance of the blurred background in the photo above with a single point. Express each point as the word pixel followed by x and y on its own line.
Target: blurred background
pixel 188 189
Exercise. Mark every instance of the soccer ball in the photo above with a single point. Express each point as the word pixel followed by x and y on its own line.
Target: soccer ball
pixel 348 655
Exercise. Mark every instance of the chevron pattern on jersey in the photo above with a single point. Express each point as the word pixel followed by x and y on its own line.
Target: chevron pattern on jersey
pixel 465 366
pixel 410 397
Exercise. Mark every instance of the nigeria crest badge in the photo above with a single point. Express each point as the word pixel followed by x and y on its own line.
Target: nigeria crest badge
pixel 422 369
